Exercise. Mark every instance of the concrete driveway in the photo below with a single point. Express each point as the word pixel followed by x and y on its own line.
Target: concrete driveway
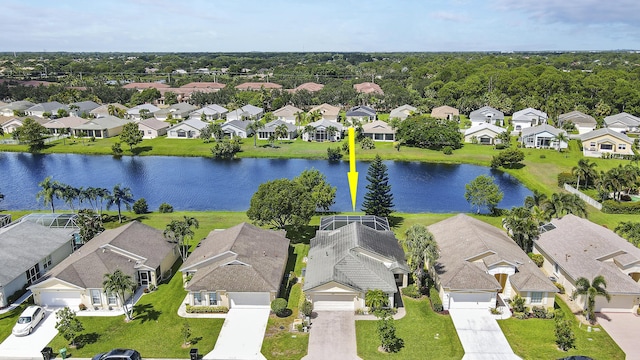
pixel 16 347
pixel 241 335
pixel 480 335
pixel 624 329
pixel 332 336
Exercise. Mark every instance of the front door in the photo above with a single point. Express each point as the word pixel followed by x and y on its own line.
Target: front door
pixel 143 278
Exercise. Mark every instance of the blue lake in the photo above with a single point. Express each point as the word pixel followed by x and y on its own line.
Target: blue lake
pixel 208 184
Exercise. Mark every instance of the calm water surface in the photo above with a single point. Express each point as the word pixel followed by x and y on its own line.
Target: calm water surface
pixel 208 184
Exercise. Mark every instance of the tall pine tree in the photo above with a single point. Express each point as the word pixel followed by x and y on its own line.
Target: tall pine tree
pixel 379 199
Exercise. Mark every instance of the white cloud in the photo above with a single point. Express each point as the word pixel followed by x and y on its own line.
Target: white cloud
pixel 449 16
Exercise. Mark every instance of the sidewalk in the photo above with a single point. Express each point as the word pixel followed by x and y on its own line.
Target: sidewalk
pixel 22 299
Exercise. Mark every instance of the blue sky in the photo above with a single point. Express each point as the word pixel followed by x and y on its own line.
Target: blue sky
pixel 318 25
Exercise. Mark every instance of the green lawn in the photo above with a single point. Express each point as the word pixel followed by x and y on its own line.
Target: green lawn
pixel 155 331
pixel 535 339
pixel 418 329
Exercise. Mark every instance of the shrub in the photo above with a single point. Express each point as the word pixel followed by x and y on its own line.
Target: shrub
pixel 411 291
pixel 560 287
pixel 543 156
pixel 116 148
pixel 207 309
pixel 566 178
pixel 447 150
pixel 436 303
pixel 389 341
pixel 334 154
pixel 550 313
pixel 518 304
pixel 306 308
pixel 614 207
pixel 279 306
pixel 625 197
pixel 225 149
pixel 565 338
pixel 140 206
pixel 165 208
pixel 367 144
pixel 537 259
pixel 539 312
pixel 520 315
pixel 501 146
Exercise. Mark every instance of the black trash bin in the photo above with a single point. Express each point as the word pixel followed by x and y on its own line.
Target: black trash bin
pixel 193 354
pixel 47 353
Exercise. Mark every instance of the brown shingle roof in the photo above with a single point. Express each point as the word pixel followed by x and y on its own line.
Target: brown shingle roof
pixel 368 88
pixel 258 86
pixel 138 85
pixel 204 85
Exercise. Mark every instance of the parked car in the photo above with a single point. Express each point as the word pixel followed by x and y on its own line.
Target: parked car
pixel 28 320
pixel 118 354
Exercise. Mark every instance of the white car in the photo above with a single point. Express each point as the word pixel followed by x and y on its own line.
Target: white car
pixel 28 320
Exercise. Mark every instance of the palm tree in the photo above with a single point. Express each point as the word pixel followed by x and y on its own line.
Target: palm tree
pixel 522 227
pixel 310 131
pixel 572 204
pixel 179 230
pixel 331 132
pixel 69 194
pixel 281 132
pixel 597 287
pixel 118 197
pixel 630 230
pixel 554 206
pixel 120 284
pixel 421 251
pixel 376 299
pixel 301 118
pixel 586 170
pixel 216 131
pixel 537 200
pixel 560 138
pixel 314 116
pixel 50 190
pixel 254 126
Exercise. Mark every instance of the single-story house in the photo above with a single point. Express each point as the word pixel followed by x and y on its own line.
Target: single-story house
pixel 402 112
pixel 177 111
pixel 527 118
pixel 487 114
pixel 51 107
pixel 19 106
pixel 479 264
pixel 320 133
pixel 13 123
pixel 287 114
pixel 204 86
pixel 134 112
pixel 328 112
pixel 445 112
pixel 103 110
pixel 623 122
pixel 240 266
pixel 136 249
pixel 83 108
pixel 360 113
pixel 349 256
pixel 237 128
pixel 543 136
pixel 27 251
pixel 270 129
pixel 101 128
pixel 308 86
pixel 379 131
pixel 152 128
pixel 59 125
pixel 573 247
pixel 368 88
pixel 145 85
pixel 257 86
pixel 247 112
pixel 606 141
pixel 484 134
pixel 583 122
pixel 188 129
pixel 211 112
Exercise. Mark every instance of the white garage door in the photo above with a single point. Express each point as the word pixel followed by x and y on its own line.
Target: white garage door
pixel 333 302
pixel 618 303
pixel 60 298
pixel 249 299
pixel 471 300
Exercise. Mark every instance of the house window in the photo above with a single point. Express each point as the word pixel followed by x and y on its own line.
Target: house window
pixel 33 274
pixel 213 298
pixel 622 146
pixel 606 147
pixel 96 297
pixel 536 297
pixel 111 299
pixel 592 144
pixel 149 132
pixel 46 262
pixel 197 299
pixel 518 127
pixel 182 133
pixel 556 269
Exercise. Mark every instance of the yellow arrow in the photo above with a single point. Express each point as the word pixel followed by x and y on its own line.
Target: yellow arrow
pixel 353 174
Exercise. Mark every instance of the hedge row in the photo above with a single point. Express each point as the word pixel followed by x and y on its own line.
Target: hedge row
pixel 614 207
pixel 436 303
pixel 207 309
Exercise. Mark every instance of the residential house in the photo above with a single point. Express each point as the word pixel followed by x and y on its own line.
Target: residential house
pixel 136 249
pixel 445 112
pixel 188 129
pixel 402 112
pixel 480 267
pixel 603 141
pixel 237 128
pixel 583 122
pixel 145 85
pixel 204 86
pixel 13 107
pixel 103 110
pixel 247 112
pixel 83 109
pixel 360 113
pixel 287 114
pixel 13 123
pixel 63 125
pixel 368 88
pixel 487 114
pixel 211 113
pixel 179 111
pixel 527 118
pixel 100 128
pixel 152 128
pixel 543 136
pixel 270 129
pixel 257 86
pixel 28 250
pixel 41 109
pixel 573 247
pixel 484 134
pixel 328 112
pixel 349 256
pixel 240 266
pixel 308 86
pixel 379 131
pixel 321 133
pixel 623 123
pixel 134 112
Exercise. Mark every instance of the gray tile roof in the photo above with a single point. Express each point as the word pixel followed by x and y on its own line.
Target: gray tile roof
pixel 105 122
pixel 484 112
pixel 104 109
pixel 238 124
pixel 470 247
pixel 65 122
pixel 18 105
pixel 136 109
pixel 352 255
pixel 242 258
pixel 605 131
pixel 377 127
pixel 52 107
pixel 26 243
pixel 180 108
pixel 324 123
pixel 402 112
pixel 577 117
pixel 540 129
pixel 482 126
pixel 192 123
pixel 584 249
pixel 85 106
pixel 361 111
pixel 624 118
pixel 528 114
pixel 154 123
pixel 271 126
